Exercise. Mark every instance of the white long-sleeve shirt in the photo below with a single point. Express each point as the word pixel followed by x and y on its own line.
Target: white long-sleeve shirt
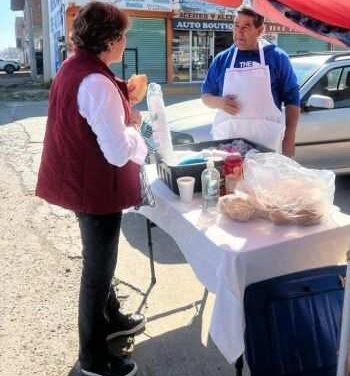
pixel 101 105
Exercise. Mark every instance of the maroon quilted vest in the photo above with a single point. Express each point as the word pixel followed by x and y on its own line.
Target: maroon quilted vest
pixel 73 173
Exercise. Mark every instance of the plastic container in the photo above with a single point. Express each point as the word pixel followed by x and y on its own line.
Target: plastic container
pixel 169 173
pixel 232 171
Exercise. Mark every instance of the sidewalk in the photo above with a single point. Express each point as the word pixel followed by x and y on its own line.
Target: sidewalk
pixel 41 266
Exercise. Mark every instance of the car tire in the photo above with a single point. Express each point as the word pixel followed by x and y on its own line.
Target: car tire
pixel 9 69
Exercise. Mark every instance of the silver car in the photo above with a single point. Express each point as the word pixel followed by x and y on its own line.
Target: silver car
pixel 323 134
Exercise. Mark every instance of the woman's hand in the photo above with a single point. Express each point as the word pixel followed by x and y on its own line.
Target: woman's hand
pixel 135 119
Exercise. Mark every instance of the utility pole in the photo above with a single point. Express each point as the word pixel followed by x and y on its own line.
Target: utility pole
pixel 46 40
pixel 29 13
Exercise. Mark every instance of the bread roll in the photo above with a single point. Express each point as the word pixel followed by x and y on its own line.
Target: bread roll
pixel 137 83
pixel 237 207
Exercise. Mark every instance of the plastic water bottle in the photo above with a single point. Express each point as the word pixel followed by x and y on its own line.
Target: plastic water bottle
pixel 210 186
pixel 160 127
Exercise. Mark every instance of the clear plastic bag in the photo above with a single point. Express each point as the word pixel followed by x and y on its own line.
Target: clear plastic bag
pixel 285 191
pixel 147 197
pixel 160 127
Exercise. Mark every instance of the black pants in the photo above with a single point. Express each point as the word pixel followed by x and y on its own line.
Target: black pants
pixel 98 304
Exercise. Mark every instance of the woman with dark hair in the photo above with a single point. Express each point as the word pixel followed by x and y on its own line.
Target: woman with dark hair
pixel 90 165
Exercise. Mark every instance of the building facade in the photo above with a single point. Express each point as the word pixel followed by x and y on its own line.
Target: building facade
pixel 200 31
pixel 171 40
pixel 148 42
pixel 20 38
pixel 37 24
pixel 32 16
pixel 164 41
pixel 57 33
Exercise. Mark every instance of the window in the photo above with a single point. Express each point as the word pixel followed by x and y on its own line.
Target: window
pixel 201 57
pixel 192 54
pixel 345 79
pixel 334 84
pixel 181 55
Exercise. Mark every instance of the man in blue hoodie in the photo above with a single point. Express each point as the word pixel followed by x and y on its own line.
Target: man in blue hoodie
pixel 248 83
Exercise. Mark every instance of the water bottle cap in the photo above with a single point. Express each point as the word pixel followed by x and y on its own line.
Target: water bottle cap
pixel 154 88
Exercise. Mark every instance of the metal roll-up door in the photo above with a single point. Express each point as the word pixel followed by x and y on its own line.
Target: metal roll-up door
pixel 298 43
pixel 339 48
pixel 145 51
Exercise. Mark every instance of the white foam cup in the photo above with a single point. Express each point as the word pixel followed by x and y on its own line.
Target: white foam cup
pixel 186 188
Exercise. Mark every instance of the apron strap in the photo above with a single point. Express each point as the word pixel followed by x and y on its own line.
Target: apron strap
pixel 261 55
pixel 234 58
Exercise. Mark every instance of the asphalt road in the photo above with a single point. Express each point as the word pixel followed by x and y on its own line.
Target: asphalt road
pixel 41 266
pixel 35 109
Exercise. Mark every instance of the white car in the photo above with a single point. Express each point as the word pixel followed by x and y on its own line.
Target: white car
pixel 323 134
pixel 9 66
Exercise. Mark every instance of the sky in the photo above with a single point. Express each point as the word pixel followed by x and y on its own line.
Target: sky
pixel 7 25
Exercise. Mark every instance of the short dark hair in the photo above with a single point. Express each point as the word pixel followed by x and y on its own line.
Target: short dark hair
pixel 96 25
pixel 249 11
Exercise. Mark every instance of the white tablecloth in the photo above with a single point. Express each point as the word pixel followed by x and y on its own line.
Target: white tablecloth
pixel 227 256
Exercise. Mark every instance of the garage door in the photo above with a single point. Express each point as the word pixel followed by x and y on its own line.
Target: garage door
pixel 145 50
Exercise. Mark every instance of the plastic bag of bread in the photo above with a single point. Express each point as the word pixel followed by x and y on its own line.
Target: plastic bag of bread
pixel 286 191
pixel 237 206
pixel 137 86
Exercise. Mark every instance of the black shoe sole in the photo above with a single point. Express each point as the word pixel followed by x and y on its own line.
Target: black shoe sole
pixel 133 372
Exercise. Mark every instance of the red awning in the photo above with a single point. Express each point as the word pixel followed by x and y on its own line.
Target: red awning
pixel 335 13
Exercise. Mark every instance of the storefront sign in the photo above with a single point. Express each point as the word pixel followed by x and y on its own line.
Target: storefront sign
pixel 271 27
pixel 185 24
pixel 160 5
pixel 205 16
pixel 199 6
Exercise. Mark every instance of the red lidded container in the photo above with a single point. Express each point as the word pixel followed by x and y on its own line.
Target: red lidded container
pixel 232 169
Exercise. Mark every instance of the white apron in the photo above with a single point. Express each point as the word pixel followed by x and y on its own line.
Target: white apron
pixel 259 119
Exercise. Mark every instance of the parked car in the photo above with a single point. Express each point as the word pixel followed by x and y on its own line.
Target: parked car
pixel 9 66
pixel 323 134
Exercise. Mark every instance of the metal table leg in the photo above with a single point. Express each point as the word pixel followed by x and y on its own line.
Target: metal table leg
pixel 149 226
pixel 203 302
pixel 239 366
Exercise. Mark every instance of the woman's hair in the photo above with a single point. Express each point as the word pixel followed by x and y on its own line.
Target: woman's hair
pixel 96 25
